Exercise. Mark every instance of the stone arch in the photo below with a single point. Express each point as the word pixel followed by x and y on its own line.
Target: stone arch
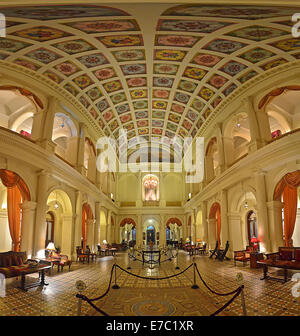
pixel 59 203
pixel 236 137
pixel 86 224
pixel 65 136
pixel 214 227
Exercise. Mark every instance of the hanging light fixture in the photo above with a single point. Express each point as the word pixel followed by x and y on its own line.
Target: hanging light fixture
pixel 56 203
pixel 246 203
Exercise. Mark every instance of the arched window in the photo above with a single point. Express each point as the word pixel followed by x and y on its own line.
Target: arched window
pixel 17 111
pixel 252 226
pixel 65 136
pixel 49 228
pixel 150 188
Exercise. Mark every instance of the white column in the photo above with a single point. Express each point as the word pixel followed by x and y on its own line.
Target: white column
pixel 66 247
pixel 90 233
pixel 276 230
pixel 212 232
pixel 205 222
pixel 262 214
pixel 78 222
pixel 27 229
pixel 220 147
pixel 109 230
pixel 81 148
pixel 162 231
pixel 139 231
pixel 97 223
pixel 224 220
pixel 40 222
pixel 103 233
pixel 47 125
pixel 234 220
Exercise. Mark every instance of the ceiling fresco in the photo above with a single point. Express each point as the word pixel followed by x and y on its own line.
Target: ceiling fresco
pixel 199 55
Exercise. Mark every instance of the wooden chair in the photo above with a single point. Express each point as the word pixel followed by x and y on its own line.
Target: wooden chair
pixel 213 252
pixel 221 254
pixel 80 255
pixel 242 256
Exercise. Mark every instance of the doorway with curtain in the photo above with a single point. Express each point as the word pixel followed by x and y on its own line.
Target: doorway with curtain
pixel 14 192
pixel 150 234
pixel 286 191
pixel 252 226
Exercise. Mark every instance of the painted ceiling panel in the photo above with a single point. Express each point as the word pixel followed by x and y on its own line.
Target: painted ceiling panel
pixel 197 56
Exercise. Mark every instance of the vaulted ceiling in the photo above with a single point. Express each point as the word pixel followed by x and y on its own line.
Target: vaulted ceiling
pixel 155 70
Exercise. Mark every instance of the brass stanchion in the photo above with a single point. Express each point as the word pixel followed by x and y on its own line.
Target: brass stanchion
pixel 194 286
pixel 115 286
pixel 177 266
pixel 240 279
pixel 128 266
pixel 81 286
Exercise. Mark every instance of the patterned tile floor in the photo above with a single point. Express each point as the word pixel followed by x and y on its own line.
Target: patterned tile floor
pixel 145 297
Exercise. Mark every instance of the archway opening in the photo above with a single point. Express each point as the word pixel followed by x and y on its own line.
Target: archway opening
pixel 174 232
pixel 59 222
pixel 17 109
pixel 287 191
pixel 128 232
pixel 65 136
pixel 211 159
pixel 215 223
pixel 252 228
pixel 13 193
pixel 86 226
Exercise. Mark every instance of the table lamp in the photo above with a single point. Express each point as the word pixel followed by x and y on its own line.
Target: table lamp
pixel 50 249
pixel 255 242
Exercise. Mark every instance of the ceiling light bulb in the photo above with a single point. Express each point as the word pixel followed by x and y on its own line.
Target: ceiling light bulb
pixel 55 205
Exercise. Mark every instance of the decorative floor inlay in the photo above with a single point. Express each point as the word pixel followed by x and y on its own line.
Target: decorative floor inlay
pixel 145 297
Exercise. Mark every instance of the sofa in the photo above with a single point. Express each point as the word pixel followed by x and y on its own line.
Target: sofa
pixel 12 264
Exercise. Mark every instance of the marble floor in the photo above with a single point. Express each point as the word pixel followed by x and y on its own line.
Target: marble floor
pixel 137 297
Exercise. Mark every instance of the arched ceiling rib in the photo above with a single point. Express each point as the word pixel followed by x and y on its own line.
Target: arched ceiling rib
pixel 197 57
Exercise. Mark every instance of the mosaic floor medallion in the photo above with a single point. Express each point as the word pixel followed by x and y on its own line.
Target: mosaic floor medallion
pixel 153 308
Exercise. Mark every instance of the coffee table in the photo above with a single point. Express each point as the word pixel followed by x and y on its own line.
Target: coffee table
pixel 30 270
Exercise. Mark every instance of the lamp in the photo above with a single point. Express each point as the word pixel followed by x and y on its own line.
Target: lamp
pixel 50 248
pixel 56 204
pixel 255 242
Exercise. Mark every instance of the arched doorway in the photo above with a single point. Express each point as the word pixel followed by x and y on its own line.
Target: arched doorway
pixel 150 235
pixel 65 136
pixel 215 224
pixel 151 231
pixel 59 221
pixel 128 231
pixel 50 228
pixel 211 160
pixel 286 191
pixel 87 219
pixel 173 231
pixel 251 226
pixel 14 192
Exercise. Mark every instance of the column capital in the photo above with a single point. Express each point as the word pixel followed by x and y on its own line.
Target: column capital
pixel 259 172
pixel 43 173
pixel 275 204
pixel 28 205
